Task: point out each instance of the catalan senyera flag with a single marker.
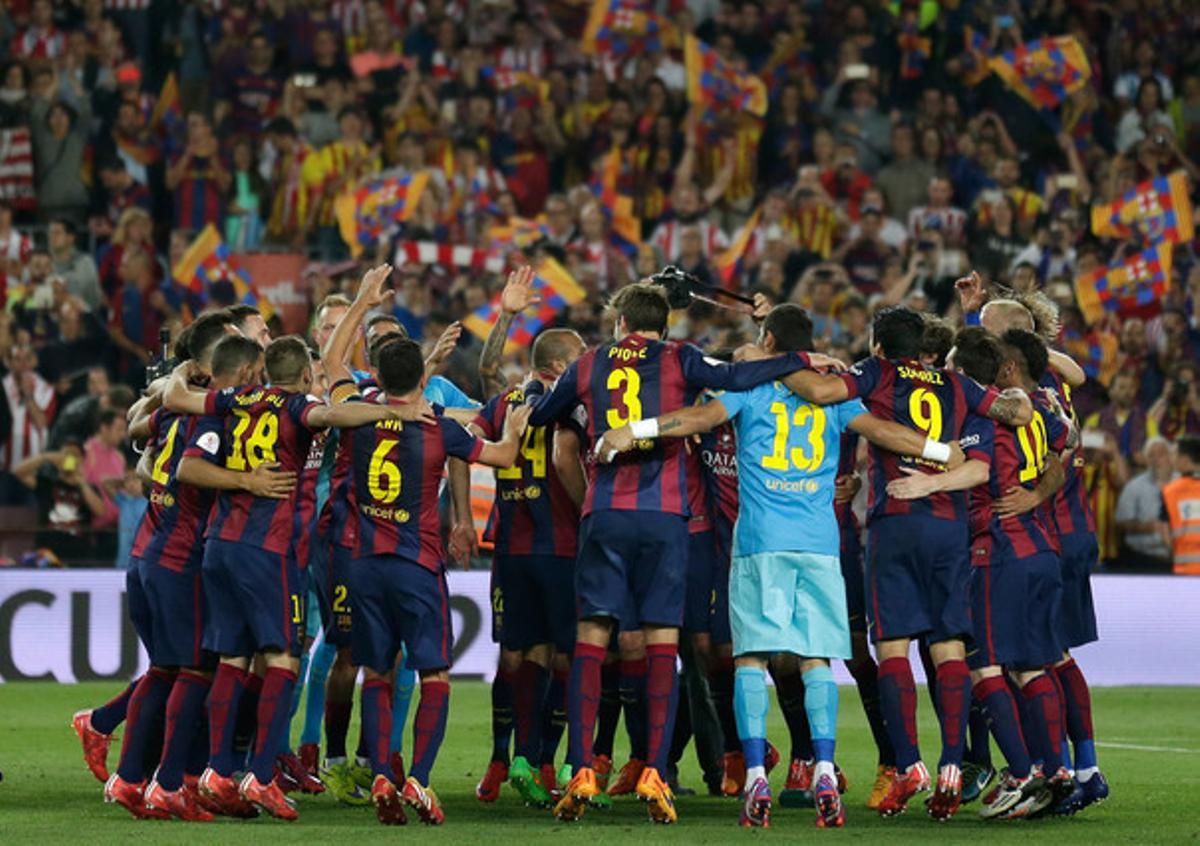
(788, 62)
(374, 208)
(208, 263)
(626, 227)
(1044, 72)
(558, 290)
(1159, 209)
(167, 109)
(974, 59)
(715, 84)
(729, 263)
(1133, 287)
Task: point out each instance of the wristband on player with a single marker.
(644, 429)
(936, 451)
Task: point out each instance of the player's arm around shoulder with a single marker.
(503, 453)
(677, 424)
(905, 441)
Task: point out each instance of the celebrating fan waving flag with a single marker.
(622, 28)
(373, 210)
(1134, 287)
(729, 263)
(1044, 72)
(208, 264)
(1159, 209)
(716, 84)
(557, 288)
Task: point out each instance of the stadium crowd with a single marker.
(878, 176)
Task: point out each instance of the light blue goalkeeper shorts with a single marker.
(789, 602)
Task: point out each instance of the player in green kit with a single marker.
(786, 591)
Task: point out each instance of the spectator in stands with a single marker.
(1176, 412)
(197, 178)
(41, 39)
(76, 268)
(131, 506)
(905, 179)
(995, 247)
(81, 341)
(31, 403)
(1145, 540)
(104, 468)
(325, 174)
(138, 309)
(66, 503)
(1123, 419)
(60, 141)
(938, 214)
(249, 96)
(247, 199)
(79, 419)
(121, 192)
(14, 95)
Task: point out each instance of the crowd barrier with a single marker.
(70, 626)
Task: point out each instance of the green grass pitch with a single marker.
(1149, 748)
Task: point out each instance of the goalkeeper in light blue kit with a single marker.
(786, 590)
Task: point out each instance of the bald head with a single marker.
(555, 349)
(998, 316)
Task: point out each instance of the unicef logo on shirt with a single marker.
(401, 515)
(533, 492)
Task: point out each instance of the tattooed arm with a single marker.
(518, 295)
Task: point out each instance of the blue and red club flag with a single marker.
(624, 28)
(974, 59)
(729, 263)
(517, 233)
(716, 85)
(791, 60)
(1044, 72)
(914, 50)
(376, 208)
(1132, 287)
(558, 289)
(1158, 209)
(207, 266)
(166, 120)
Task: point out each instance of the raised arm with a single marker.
(518, 295)
(336, 353)
(1012, 408)
(700, 371)
(1066, 367)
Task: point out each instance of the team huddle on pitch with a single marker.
(644, 491)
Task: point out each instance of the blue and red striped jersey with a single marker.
(178, 512)
(262, 425)
(306, 517)
(198, 199)
(718, 457)
(396, 469)
(847, 464)
(634, 379)
(935, 402)
(1071, 508)
(1015, 457)
(532, 514)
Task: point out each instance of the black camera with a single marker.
(679, 285)
(165, 363)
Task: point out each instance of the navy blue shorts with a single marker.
(852, 573)
(918, 578)
(632, 567)
(255, 600)
(1014, 604)
(318, 578)
(1077, 616)
(139, 604)
(337, 589)
(399, 603)
(539, 601)
(701, 582)
(178, 609)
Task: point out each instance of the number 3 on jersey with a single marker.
(629, 382)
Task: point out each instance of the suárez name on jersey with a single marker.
(933, 377)
(626, 355)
